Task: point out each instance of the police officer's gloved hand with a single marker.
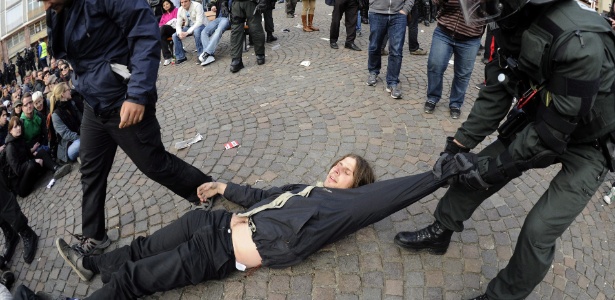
(450, 149)
(469, 174)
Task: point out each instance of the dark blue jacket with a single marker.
(93, 34)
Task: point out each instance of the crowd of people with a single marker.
(572, 123)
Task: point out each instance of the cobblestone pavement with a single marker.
(292, 122)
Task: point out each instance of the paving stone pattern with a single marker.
(292, 122)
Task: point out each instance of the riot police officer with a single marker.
(558, 58)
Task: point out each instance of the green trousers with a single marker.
(245, 12)
(583, 170)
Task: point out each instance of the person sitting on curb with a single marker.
(189, 21)
(210, 36)
(282, 227)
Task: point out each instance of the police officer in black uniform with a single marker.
(558, 58)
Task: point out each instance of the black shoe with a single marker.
(260, 59)
(434, 238)
(426, 23)
(236, 65)
(429, 107)
(11, 239)
(7, 279)
(455, 112)
(30, 241)
(271, 38)
(179, 61)
(334, 45)
(352, 46)
(290, 15)
(481, 297)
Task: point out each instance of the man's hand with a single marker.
(131, 114)
(182, 35)
(39, 161)
(33, 150)
(451, 148)
(210, 189)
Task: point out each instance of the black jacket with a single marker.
(17, 154)
(286, 236)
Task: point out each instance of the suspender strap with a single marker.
(277, 202)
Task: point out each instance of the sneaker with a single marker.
(455, 112)
(208, 60)
(203, 56)
(61, 171)
(372, 78)
(88, 246)
(181, 60)
(429, 107)
(74, 258)
(395, 91)
(166, 62)
(418, 51)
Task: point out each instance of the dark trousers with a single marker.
(26, 182)
(195, 248)
(290, 6)
(166, 32)
(268, 16)
(413, 29)
(244, 12)
(350, 9)
(10, 212)
(583, 170)
(100, 137)
(22, 292)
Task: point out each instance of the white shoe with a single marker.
(203, 56)
(167, 62)
(209, 60)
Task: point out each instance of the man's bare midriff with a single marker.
(245, 249)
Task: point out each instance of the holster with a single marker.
(607, 143)
(516, 120)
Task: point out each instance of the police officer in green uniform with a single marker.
(557, 58)
(249, 12)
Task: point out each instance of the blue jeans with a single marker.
(442, 48)
(359, 22)
(210, 36)
(179, 47)
(379, 25)
(73, 150)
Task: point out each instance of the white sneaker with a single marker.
(167, 62)
(203, 56)
(209, 60)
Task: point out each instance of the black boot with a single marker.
(271, 37)
(30, 240)
(236, 65)
(12, 239)
(7, 279)
(434, 238)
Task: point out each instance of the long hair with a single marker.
(170, 9)
(363, 173)
(56, 95)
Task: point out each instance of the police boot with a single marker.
(11, 240)
(434, 238)
(30, 241)
(236, 65)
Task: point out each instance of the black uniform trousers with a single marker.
(413, 30)
(10, 212)
(166, 31)
(583, 170)
(246, 12)
(290, 6)
(100, 136)
(194, 248)
(350, 9)
(268, 16)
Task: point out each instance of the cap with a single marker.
(18, 103)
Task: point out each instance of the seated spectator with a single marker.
(65, 72)
(39, 84)
(27, 164)
(66, 122)
(40, 105)
(27, 84)
(167, 25)
(210, 36)
(6, 95)
(51, 81)
(34, 129)
(189, 21)
(17, 108)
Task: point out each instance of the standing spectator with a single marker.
(66, 123)
(189, 21)
(42, 54)
(210, 36)
(27, 164)
(290, 8)
(452, 35)
(413, 32)
(349, 8)
(387, 16)
(34, 129)
(21, 67)
(246, 12)
(124, 112)
(268, 16)
(167, 25)
(307, 16)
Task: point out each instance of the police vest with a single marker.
(546, 40)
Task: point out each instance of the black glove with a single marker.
(450, 149)
(468, 171)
